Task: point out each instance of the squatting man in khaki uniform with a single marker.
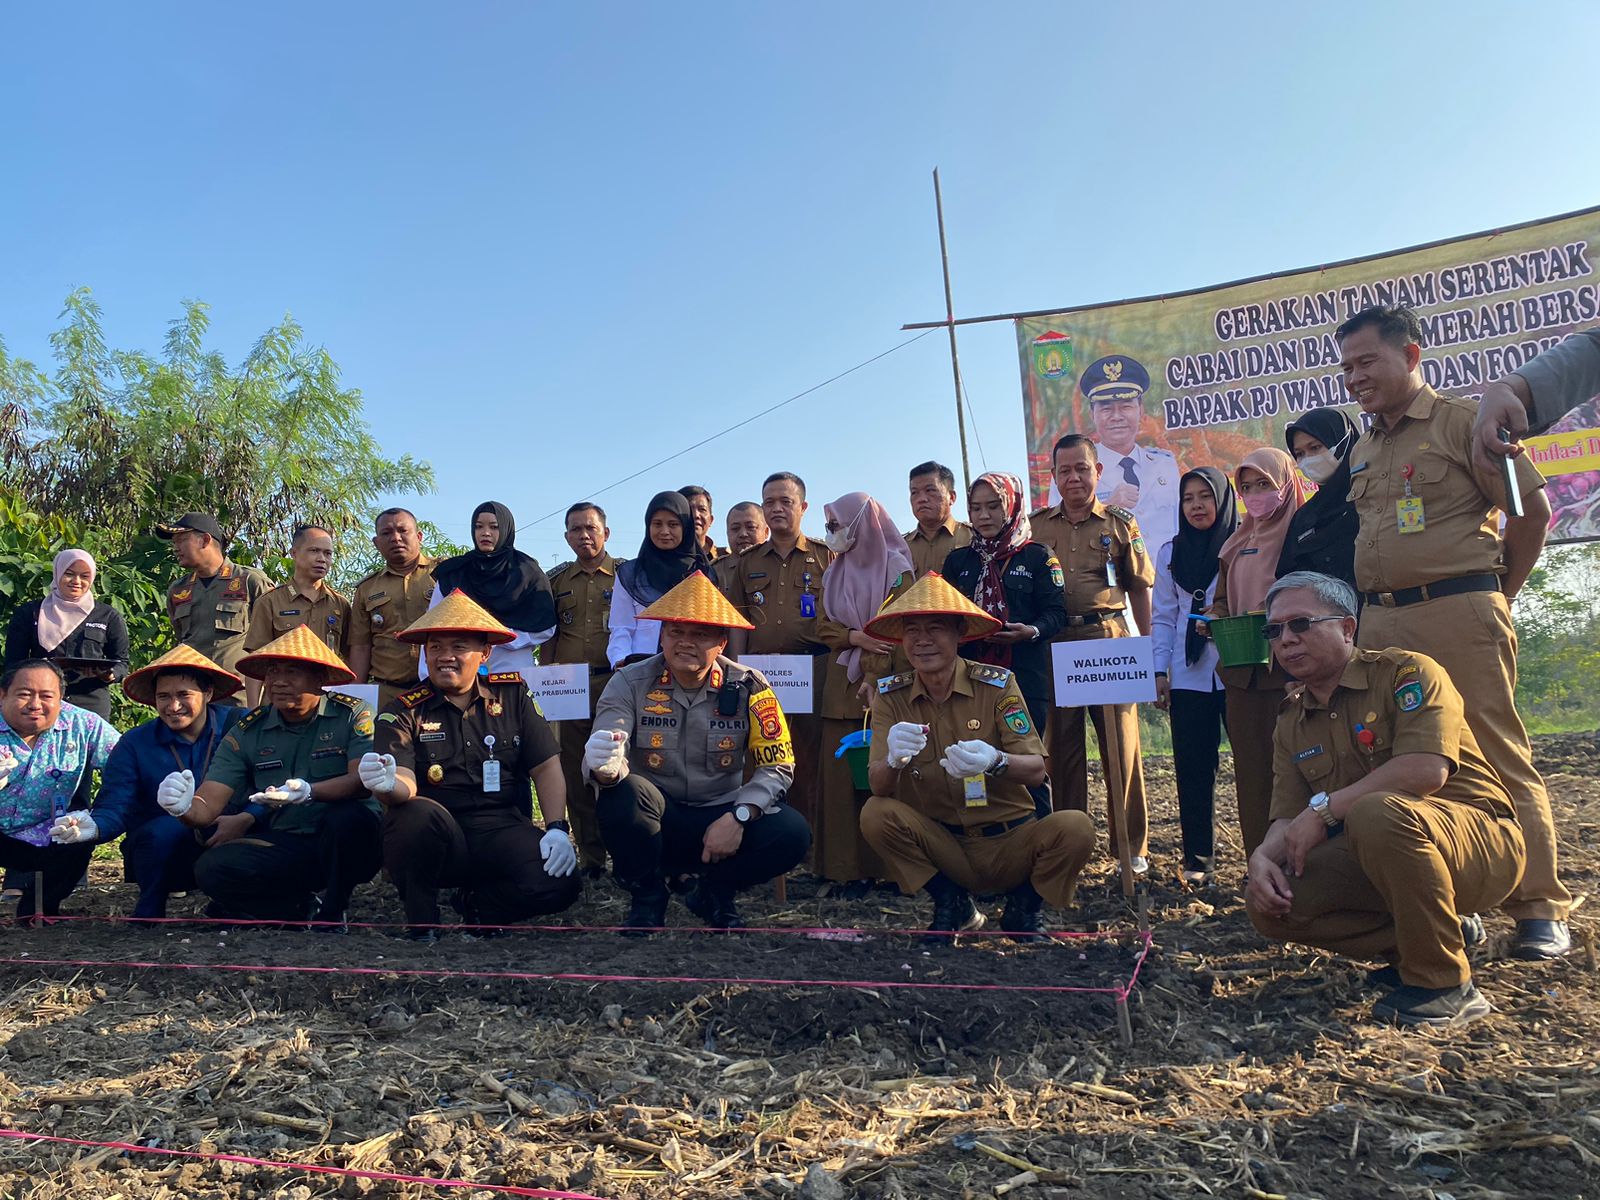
(1387, 819)
(954, 753)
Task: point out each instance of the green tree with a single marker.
(1557, 617)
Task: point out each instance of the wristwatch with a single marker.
(743, 813)
(1001, 762)
(1319, 805)
(561, 825)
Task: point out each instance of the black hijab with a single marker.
(1329, 505)
(655, 572)
(512, 586)
(1194, 551)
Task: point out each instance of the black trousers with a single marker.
(1038, 706)
(62, 866)
(1198, 721)
(493, 853)
(649, 836)
(270, 876)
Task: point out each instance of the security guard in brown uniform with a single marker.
(305, 600)
(583, 601)
(210, 606)
(1105, 565)
(386, 602)
(933, 497)
(1439, 576)
(451, 765)
(1387, 820)
(953, 756)
(778, 588)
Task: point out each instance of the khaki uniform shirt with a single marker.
(984, 706)
(263, 750)
(1460, 533)
(929, 553)
(775, 594)
(683, 744)
(1388, 702)
(446, 747)
(583, 604)
(324, 611)
(1107, 534)
(725, 573)
(385, 604)
(213, 615)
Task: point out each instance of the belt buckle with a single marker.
(1386, 599)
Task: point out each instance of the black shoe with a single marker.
(1432, 1006)
(1472, 931)
(594, 872)
(714, 905)
(422, 935)
(471, 919)
(320, 919)
(1385, 978)
(856, 889)
(953, 912)
(648, 912)
(1021, 917)
(1537, 939)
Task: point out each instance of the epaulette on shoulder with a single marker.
(416, 695)
(1116, 510)
(559, 567)
(747, 549)
(349, 702)
(1043, 510)
(250, 718)
(365, 579)
(987, 673)
(508, 677)
(893, 683)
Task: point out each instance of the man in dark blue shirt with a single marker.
(159, 852)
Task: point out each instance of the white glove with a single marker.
(560, 856)
(605, 752)
(376, 772)
(290, 791)
(74, 827)
(906, 740)
(8, 764)
(968, 758)
(175, 793)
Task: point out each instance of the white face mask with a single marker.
(1319, 468)
(839, 540)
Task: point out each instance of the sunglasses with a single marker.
(1273, 630)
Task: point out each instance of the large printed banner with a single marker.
(1203, 378)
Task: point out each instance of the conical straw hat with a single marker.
(140, 685)
(931, 596)
(298, 645)
(696, 601)
(456, 613)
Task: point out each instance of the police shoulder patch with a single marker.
(416, 695)
(1056, 577)
(992, 675)
(507, 677)
(893, 683)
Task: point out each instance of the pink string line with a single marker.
(314, 1168)
(1117, 990)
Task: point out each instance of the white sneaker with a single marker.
(1140, 864)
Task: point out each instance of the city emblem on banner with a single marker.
(1052, 354)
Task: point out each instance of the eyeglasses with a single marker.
(1273, 630)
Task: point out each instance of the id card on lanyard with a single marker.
(491, 767)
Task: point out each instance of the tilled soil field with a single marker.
(1254, 1071)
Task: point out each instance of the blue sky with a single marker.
(554, 243)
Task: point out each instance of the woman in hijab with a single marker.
(512, 586)
(670, 553)
(1186, 662)
(1322, 535)
(70, 624)
(1271, 490)
(870, 566)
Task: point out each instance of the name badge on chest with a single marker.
(491, 768)
(976, 790)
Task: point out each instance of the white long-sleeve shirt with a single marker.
(1170, 623)
(629, 634)
(515, 655)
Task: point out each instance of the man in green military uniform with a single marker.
(582, 590)
(292, 765)
(210, 606)
(386, 602)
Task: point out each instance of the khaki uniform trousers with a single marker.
(1472, 638)
(1050, 852)
(580, 795)
(838, 850)
(1254, 697)
(1391, 887)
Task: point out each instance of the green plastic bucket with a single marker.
(1239, 641)
(859, 757)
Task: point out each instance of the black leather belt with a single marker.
(1090, 619)
(1433, 591)
(994, 830)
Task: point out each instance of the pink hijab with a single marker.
(59, 616)
(859, 579)
(1250, 556)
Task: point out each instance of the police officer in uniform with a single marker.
(1387, 819)
(778, 587)
(386, 602)
(582, 590)
(292, 764)
(1439, 576)
(210, 606)
(954, 753)
(672, 738)
(1141, 479)
(1106, 566)
(938, 533)
(306, 599)
(451, 767)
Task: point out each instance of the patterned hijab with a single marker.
(995, 553)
